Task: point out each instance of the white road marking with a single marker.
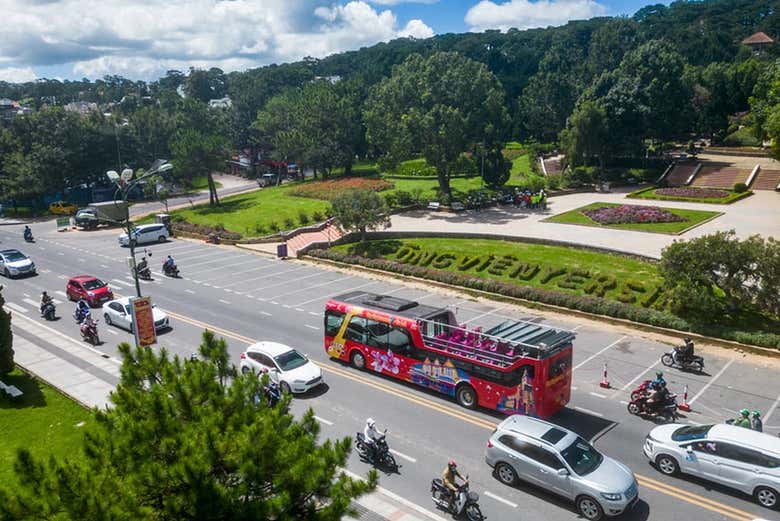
(597, 395)
(31, 302)
(712, 380)
(490, 312)
(323, 297)
(196, 281)
(216, 287)
(404, 456)
(500, 499)
(228, 290)
(189, 291)
(298, 309)
(60, 253)
(61, 293)
(623, 402)
(574, 387)
(112, 331)
(121, 283)
(640, 375)
(16, 307)
(266, 313)
(286, 306)
(313, 327)
(63, 277)
(594, 355)
(771, 410)
(26, 294)
(588, 411)
(285, 272)
(313, 313)
(323, 420)
(318, 274)
(224, 301)
(275, 303)
(103, 266)
(207, 284)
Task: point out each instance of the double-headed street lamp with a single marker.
(124, 183)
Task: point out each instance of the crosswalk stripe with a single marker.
(16, 307)
(30, 302)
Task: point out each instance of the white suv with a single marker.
(558, 460)
(144, 234)
(736, 457)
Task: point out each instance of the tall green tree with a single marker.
(360, 211)
(6, 339)
(439, 105)
(179, 444)
(587, 135)
(197, 154)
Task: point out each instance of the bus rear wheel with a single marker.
(358, 360)
(466, 396)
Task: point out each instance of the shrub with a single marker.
(553, 181)
(740, 188)
(636, 286)
(404, 198)
(274, 226)
(289, 224)
(391, 199)
(260, 229)
(303, 218)
(413, 168)
(317, 216)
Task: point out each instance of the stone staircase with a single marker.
(766, 180)
(719, 175)
(328, 233)
(680, 173)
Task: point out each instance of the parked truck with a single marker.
(93, 215)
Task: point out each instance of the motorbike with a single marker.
(667, 411)
(381, 454)
(143, 273)
(641, 390)
(48, 311)
(89, 332)
(80, 314)
(465, 502)
(674, 358)
(171, 271)
(28, 237)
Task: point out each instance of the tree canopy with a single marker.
(185, 442)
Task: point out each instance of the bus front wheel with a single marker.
(358, 360)
(466, 396)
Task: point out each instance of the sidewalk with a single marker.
(88, 376)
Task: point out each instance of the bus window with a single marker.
(376, 334)
(398, 341)
(559, 366)
(356, 330)
(333, 321)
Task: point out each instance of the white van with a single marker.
(736, 457)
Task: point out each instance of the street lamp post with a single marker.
(124, 183)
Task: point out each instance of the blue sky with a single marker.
(141, 39)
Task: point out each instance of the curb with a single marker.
(720, 342)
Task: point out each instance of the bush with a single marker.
(391, 199)
(582, 175)
(274, 226)
(413, 168)
(289, 224)
(553, 181)
(404, 198)
(303, 218)
(317, 216)
(260, 229)
(740, 188)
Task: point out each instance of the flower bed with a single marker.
(329, 190)
(631, 214)
(694, 193)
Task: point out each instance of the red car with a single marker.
(89, 288)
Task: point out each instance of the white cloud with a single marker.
(525, 14)
(396, 2)
(143, 39)
(17, 74)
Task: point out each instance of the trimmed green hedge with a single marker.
(589, 304)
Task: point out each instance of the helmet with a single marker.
(756, 414)
(452, 465)
(370, 422)
(744, 412)
(659, 375)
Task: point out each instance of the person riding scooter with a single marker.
(684, 353)
(82, 311)
(370, 435)
(142, 268)
(658, 395)
(28, 236)
(448, 478)
(169, 264)
(45, 301)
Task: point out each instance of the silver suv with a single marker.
(558, 460)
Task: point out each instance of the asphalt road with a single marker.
(246, 297)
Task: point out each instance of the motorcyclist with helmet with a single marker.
(658, 394)
(45, 300)
(28, 236)
(448, 479)
(370, 435)
(82, 310)
(684, 353)
(743, 420)
(169, 266)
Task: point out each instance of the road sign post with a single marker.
(143, 321)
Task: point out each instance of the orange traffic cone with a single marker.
(604, 383)
(685, 406)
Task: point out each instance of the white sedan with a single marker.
(286, 366)
(119, 313)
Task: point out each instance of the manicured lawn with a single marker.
(521, 166)
(691, 218)
(254, 213)
(43, 420)
(202, 183)
(429, 187)
(650, 193)
(571, 270)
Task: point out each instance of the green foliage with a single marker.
(317, 216)
(740, 188)
(360, 211)
(496, 168)
(187, 440)
(413, 168)
(743, 137)
(199, 154)
(289, 224)
(6, 339)
(303, 218)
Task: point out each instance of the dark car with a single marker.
(89, 288)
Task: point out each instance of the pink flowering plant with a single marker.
(631, 214)
(695, 193)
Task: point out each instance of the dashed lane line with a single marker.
(404, 456)
(266, 313)
(712, 380)
(191, 292)
(594, 355)
(323, 420)
(500, 499)
(688, 497)
(224, 301)
(771, 410)
(315, 328)
(16, 307)
(597, 395)
(345, 291)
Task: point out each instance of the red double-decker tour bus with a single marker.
(515, 367)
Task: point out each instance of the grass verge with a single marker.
(691, 219)
(650, 193)
(202, 183)
(43, 420)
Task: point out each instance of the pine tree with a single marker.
(6, 339)
(179, 444)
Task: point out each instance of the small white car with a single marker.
(287, 367)
(735, 457)
(118, 313)
(145, 234)
(14, 263)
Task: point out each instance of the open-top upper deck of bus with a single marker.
(500, 346)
